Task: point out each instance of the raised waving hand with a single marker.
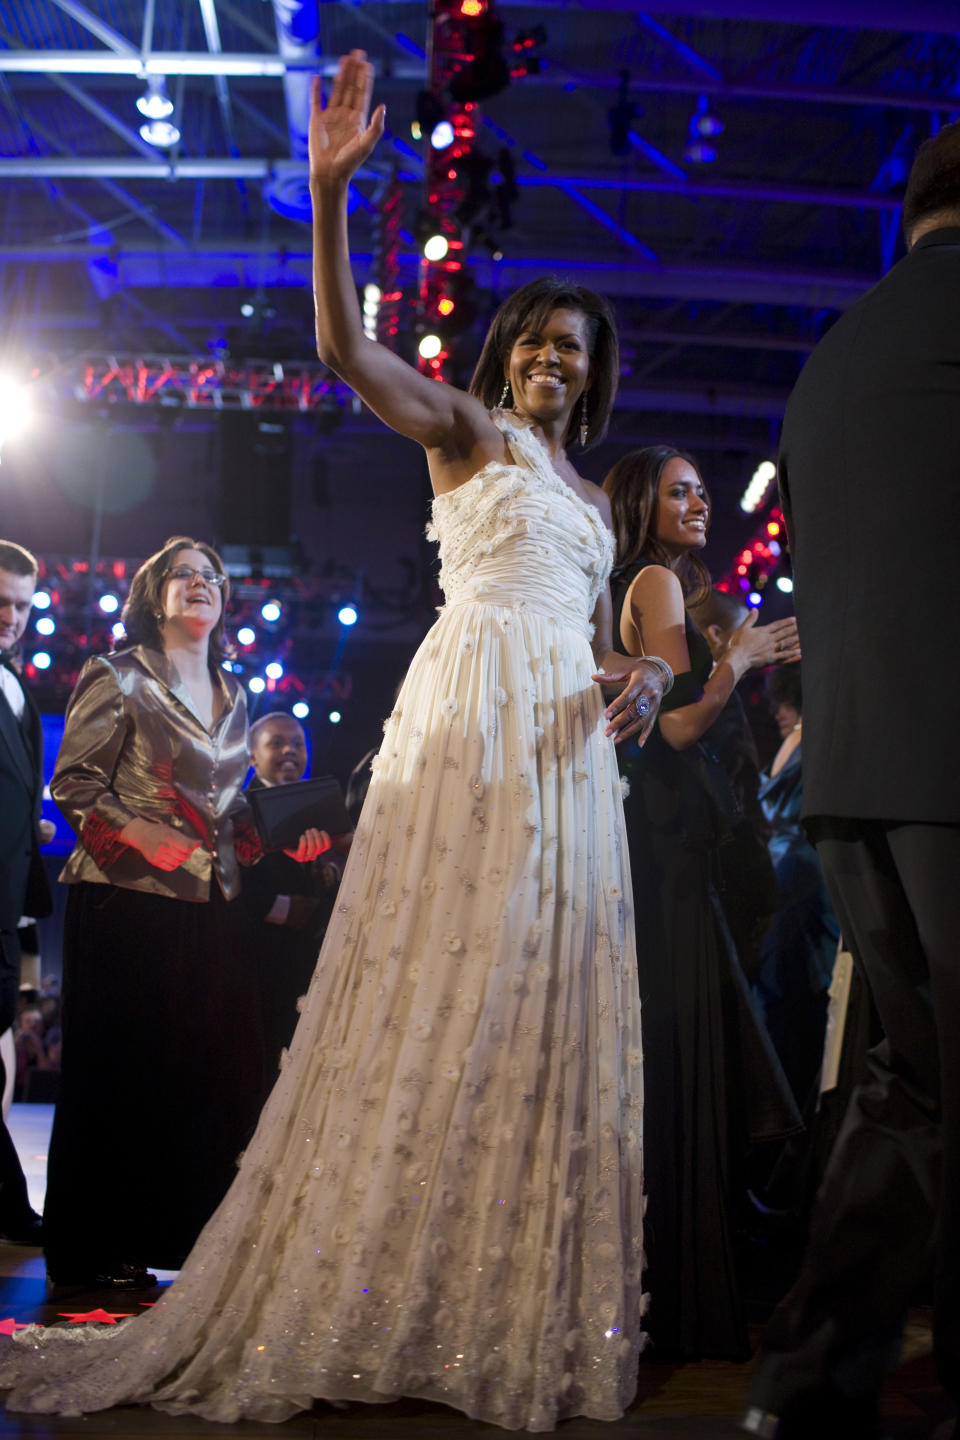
(341, 135)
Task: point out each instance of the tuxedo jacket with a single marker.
(870, 481)
(23, 883)
(134, 746)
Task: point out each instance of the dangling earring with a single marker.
(505, 395)
(584, 422)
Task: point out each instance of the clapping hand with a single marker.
(773, 644)
(341, 136)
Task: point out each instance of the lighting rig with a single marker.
(758, 561)
(209, 384)
(467, 194)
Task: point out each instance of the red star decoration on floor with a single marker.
(101, 1317)
(7, 1327)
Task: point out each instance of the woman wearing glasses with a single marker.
(162, 1058)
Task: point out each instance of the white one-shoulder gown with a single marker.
(443, 1197)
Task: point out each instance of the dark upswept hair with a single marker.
(633, 487)
(718, 607)
(783, 687)
(529, 307)
(17, 560)
(145, 599)
(933, 186)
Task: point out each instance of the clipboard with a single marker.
(283, 812)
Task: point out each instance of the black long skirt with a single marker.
(162, 1076)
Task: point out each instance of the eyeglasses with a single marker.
(187, 572)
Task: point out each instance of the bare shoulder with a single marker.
(596, 496)
(655, 586)
(471, 442)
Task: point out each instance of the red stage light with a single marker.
(472, 8)
(741, 569)
(446, 306)
(773, 528)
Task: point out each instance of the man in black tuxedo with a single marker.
(870, 477)
(23, 882)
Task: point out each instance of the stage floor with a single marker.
(675, 1402)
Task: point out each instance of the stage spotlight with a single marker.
(756, 491)
(246, 636)
(698, 152)
(470, 9)
(41, 600)
(118, 630)
(271, 610)
(436, 248)
(109, 603)
(334, 717)
(155, 103)
(257, 685)
(45, 625)
(301, 710)
(42, 660)
(273, 671)
(348, 615)
(702, 122)
(430, 346)
(785, 583)
(161, 133)
(754, 599)
(442, 136)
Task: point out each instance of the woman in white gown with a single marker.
(443, 1198)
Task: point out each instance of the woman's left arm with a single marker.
(642, 680)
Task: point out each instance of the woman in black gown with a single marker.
(700, 1036)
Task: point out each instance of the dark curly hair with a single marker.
(529, 307)
(933, 186)
(633, 487)
(145, 599)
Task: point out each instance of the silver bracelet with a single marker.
(666, 674)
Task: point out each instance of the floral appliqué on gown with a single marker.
(443, 1197)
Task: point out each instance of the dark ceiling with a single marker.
(724, 274)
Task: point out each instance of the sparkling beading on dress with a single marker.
(443, 1197)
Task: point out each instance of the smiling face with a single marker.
(683, 510)
(191, 601)
(549, 366)
(16, 598)
(279, 751)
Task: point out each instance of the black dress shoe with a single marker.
(24, 1230)
(108, 1277)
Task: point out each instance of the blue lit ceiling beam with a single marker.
(244, 268)
(686, 53)
(602, 217)
(105, 116)
(271, 65)
(103, 32)
(211, 30)
(249, 168)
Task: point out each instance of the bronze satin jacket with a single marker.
(134, 746)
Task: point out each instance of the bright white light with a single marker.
(430, 346)
(442, 135)
(371, 292)
(436, 247)
(258, 685)
(160, 133)
(271, 611)
(274, 670)
(756, 491)
(109, 603)
(155, 103)
(226, 665)
(785, 584)
(14, 408)
(246, 636)
(42, 660)
(117, 630)
(41, 600)
(246, 309)
(754, 599)
(301, 710)
(334, 717)
(347, 615)
(46, 625)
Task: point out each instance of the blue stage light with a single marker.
(754, 599)
(118, 630)
(442, 135)
(109, 603)
(42, 660)
(271, 611)
(334, 717)
(246, 636)
(46, 625)
(301, 710)
(347, 615)
(41, 600)
(258, 685)
(274, 670)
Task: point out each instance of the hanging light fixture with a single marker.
(155, 103)
(161, 133)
